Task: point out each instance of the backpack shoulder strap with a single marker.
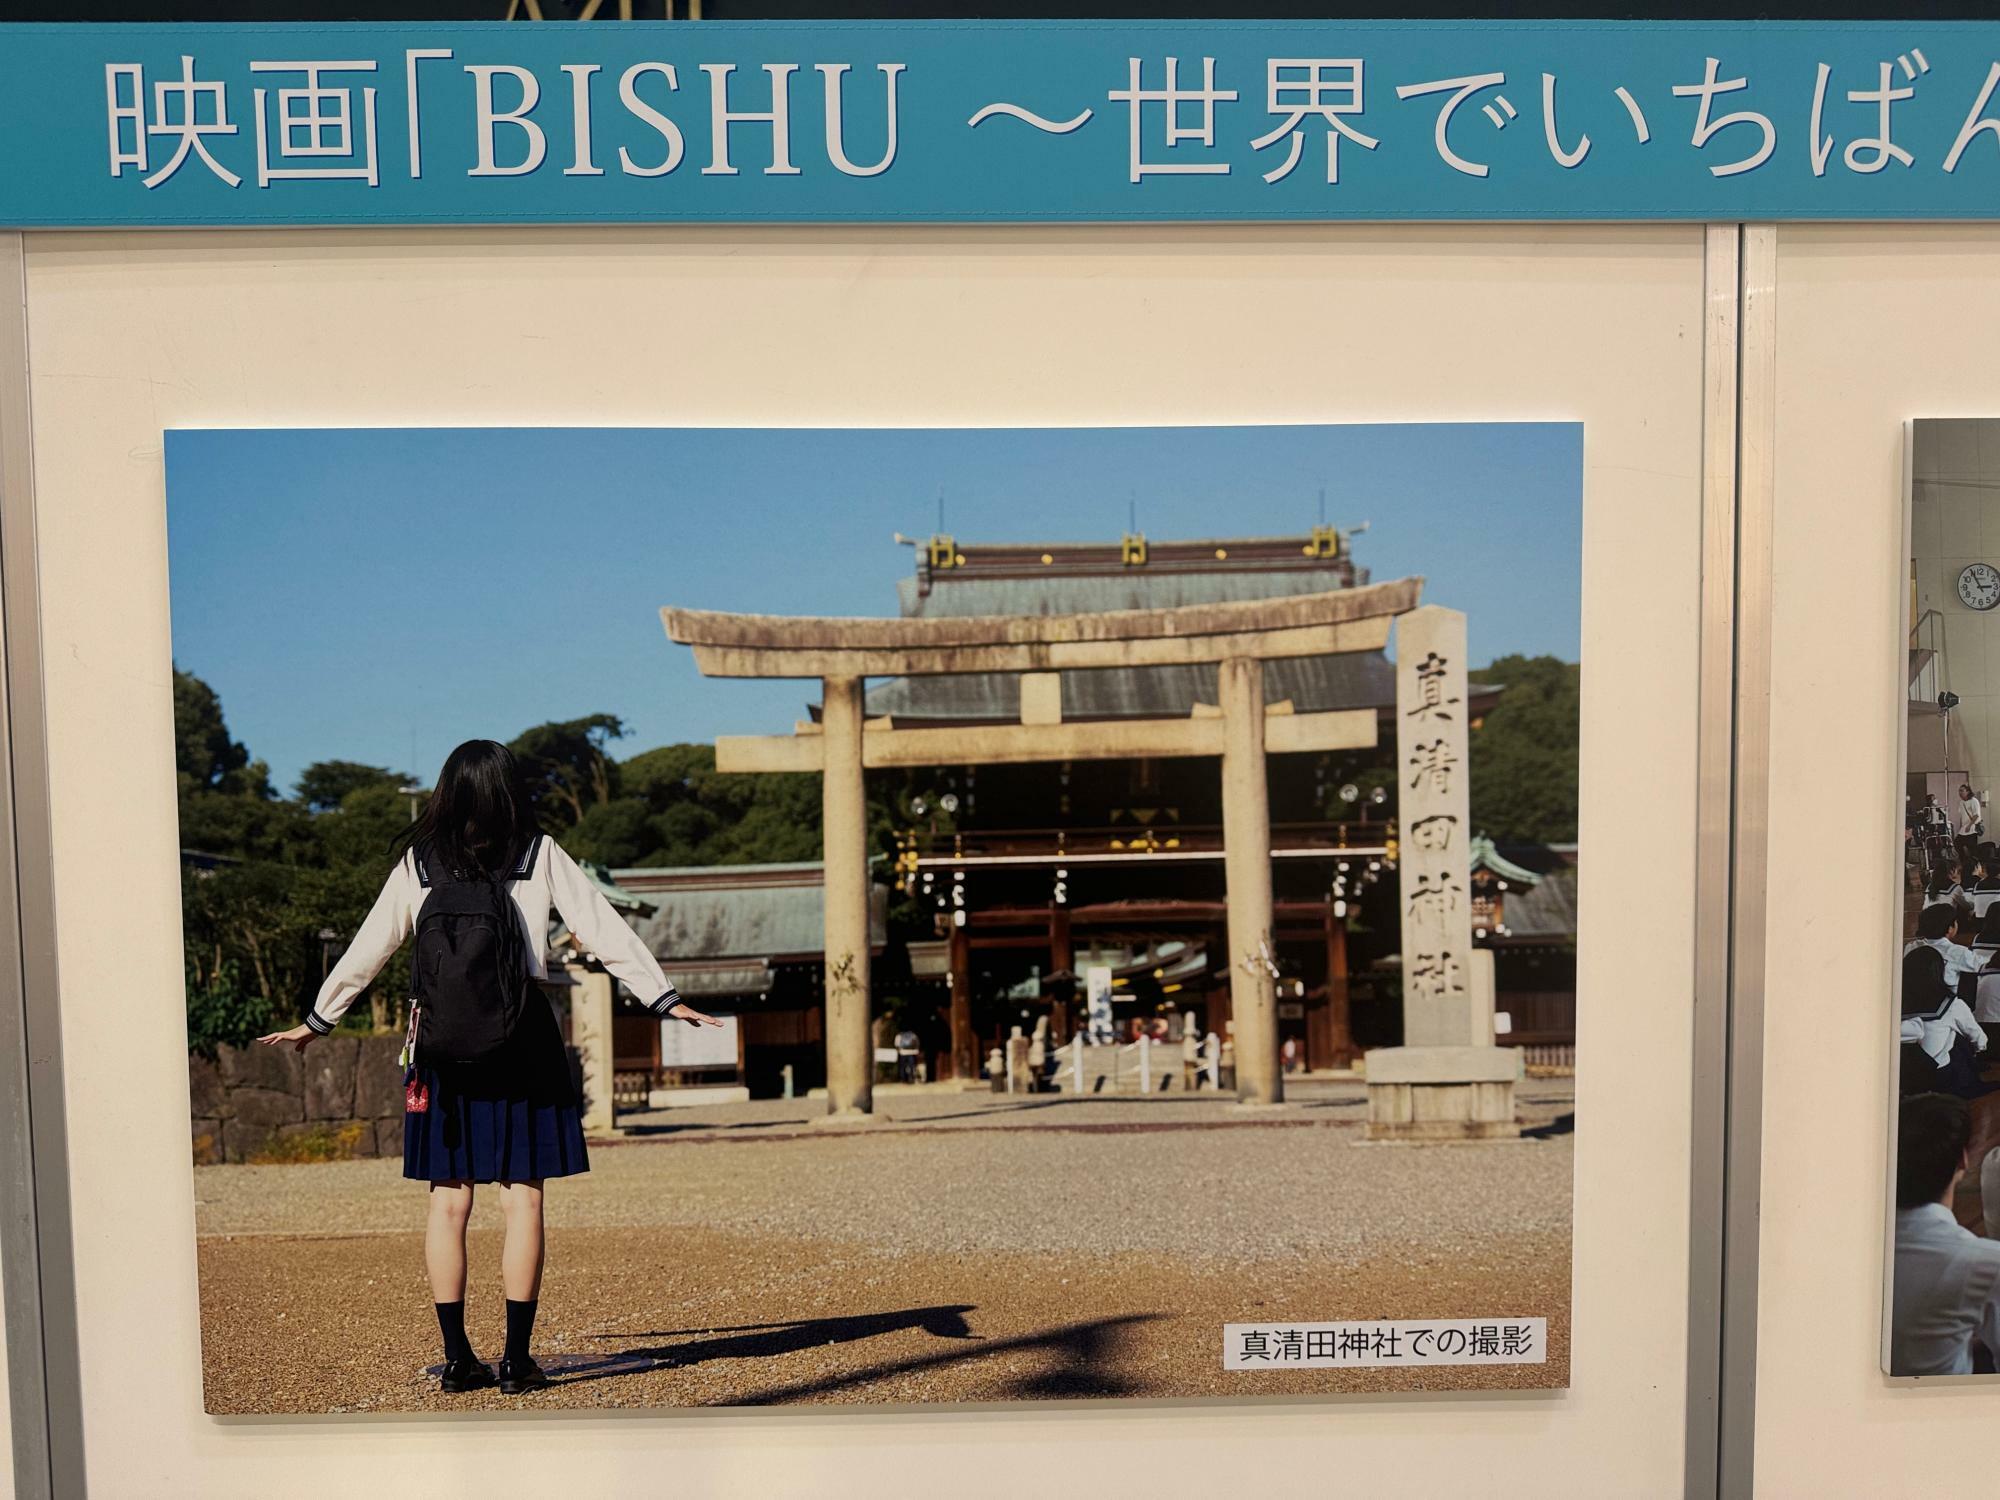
(423, 869)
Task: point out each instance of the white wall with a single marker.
(132, 334)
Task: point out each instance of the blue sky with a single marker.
(379, 595)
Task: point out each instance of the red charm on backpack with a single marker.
(416, 1093)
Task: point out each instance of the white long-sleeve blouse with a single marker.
(545, 879)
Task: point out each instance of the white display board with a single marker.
(685, 1046)
(1875, 327)
(132, 334)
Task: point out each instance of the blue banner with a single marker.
(632, 122)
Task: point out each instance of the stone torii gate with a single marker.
(1241, 729)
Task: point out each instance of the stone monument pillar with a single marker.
(1448, 1081)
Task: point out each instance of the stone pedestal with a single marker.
(590, 1008)
(1442, 1093)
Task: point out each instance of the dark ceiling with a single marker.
(766, 10)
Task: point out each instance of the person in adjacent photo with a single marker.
(1942, 926)
(1971, 824)
(1945, 1312)
(491, 1100)
(1947, 886)
(1940, 1027)
(1986, 994)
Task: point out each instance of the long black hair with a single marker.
(480, 815)
(1925, 992)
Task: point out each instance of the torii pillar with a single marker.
(1448, 1081)
(1246, 842)
(850, 1053)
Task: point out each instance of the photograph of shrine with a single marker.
(1104, 898)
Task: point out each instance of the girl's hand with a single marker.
(298, 1038)
(687, 1013)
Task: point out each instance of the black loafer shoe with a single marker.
(519, 1377)
(465, 1375)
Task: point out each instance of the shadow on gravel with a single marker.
(639, 1132)
(1560, 1125)
(985, 1109)
(764, 1340)
(1079, 1365)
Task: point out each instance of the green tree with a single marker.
(222, 1012)
(205, 757)
(203, 750)
(569, 767)
(238, 926)
(360, 831)
(274, 875)
(696, 815)
(245, 826)
(667, 772)
(227, 805)
(1524, 752)
(324, 784)
(618, 832)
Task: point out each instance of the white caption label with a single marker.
(1419, 1341)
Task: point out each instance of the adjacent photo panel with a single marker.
(1945, 1234)
(728, 917)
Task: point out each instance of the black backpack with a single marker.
(469, 977)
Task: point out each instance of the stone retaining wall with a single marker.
(341, 1097)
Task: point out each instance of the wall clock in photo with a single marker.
(1979, 586)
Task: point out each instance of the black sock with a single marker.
(451, 1323)
(520, 1329)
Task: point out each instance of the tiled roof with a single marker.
(1358, 679)
(1545, 911)
(739, 911)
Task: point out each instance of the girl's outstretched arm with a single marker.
(382, 933)
(603, 932)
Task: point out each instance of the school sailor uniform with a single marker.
(513, 1116)
(1941, 1048)
(1959, 960)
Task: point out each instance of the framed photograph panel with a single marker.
(134, 336)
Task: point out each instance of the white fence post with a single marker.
(1077, 1042)
(1145, 1065)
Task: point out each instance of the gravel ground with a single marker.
(953, 1106)
(968, 1259)
(631, 1318)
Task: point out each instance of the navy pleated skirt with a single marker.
(508, 1119)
